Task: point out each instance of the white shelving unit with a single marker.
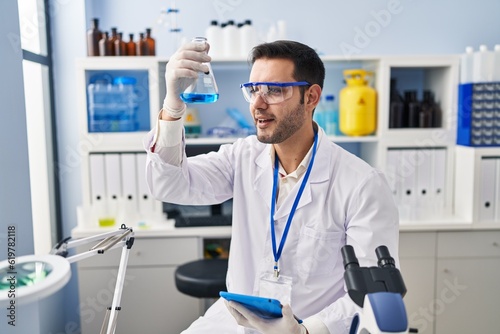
(436, 73)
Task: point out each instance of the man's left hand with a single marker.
(287, 324)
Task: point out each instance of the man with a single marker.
(297, 197)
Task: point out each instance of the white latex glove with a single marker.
(182, 69)
(285, 325)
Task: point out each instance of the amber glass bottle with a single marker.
(150, 43)
(131, 46)
(141, 45)
(105, 48)
(93, 37)
(112, 39)
(120, 46)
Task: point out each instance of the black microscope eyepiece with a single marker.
(384, 257)
(349, 257)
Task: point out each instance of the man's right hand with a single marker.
(182, 70)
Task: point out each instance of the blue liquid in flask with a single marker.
(199, 97)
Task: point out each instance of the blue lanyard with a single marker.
(277, 253)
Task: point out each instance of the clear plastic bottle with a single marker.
(483, 65)
(231, 40)
(466, 65)
(248, 38)
(204, 89)
(331, 116)
(496, 63)
(214, 36)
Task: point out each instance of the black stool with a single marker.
(202, 278)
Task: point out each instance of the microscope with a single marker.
(379, 291)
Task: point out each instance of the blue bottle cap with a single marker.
(124, 81)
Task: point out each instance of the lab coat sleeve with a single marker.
(371, 221)
(202, 180)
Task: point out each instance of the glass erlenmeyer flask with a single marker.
(204, 89)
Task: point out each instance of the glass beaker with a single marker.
(204, 89)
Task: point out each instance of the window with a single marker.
(34, 27)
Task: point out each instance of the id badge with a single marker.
(276, 287)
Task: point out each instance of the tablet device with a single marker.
(267, 308)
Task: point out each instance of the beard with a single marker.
(284, 127)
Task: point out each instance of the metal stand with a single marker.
(123, 237)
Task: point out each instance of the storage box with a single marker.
(479, 114)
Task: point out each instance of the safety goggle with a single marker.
(270, 92)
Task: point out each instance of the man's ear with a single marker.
(312, 97)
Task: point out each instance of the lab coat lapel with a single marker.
(264, 176)
(320, 173)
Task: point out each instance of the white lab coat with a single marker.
(345, 201)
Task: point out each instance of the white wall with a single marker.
(414, 27)
(370, 26)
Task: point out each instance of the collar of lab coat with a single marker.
(320, 173)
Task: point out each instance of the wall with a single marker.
(333, 27)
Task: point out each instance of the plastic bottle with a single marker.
(214, 37)
(204, 89)
(496, 63)
(105, 47)
(93, 37)
(231, 43)
(150, 43)
(483, 65)
(466, 65)
(120, 46)
(131, 46)
(331, 116)
(248, 38)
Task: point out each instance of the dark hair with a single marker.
(308, 66)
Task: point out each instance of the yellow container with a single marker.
(357, 104)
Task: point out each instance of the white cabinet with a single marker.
(150, 301)
(417, 255)
(468, 272)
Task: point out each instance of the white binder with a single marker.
(487, 189)
(438, 190)
(497, 192)
(113, 182)
(146, 202)
(393, 173)
(97, 179)
(97, 188)
(129, 185)
(424, 177)
(409, 165)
